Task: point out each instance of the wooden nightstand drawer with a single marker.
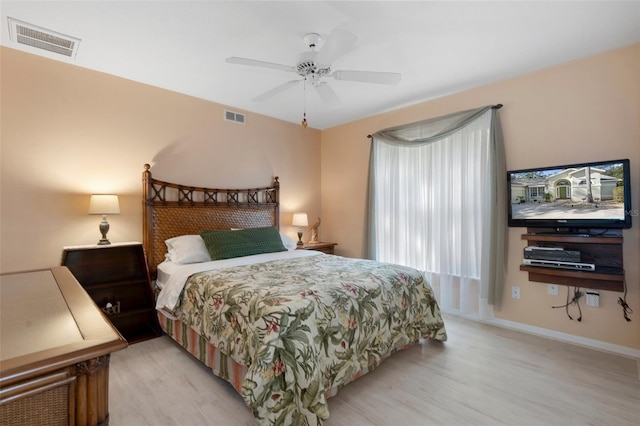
(113, 264)
(327, 248)
(117, 279)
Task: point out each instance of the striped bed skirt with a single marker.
(222, 365)
(198, 346)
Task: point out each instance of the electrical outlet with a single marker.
(593, 299)
(515, 292)
(552, 289)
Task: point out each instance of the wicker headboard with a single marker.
(170, 210)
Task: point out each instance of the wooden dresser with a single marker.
(54, 351)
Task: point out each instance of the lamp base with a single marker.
(104, 228)
(300, 243)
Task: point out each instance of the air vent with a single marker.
(236, 117)
(42, 38)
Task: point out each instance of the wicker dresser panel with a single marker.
(49, 407)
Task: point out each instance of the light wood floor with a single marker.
(483, 375)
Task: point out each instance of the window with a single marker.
(436, 205)
(536, 192)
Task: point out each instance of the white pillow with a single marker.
(287, 242)
(187, 249)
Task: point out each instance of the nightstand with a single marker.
(323, 247)
(117, 279)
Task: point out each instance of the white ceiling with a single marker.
(439, 47)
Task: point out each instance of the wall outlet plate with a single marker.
(515, 292)
(552, 289)
(593, 299)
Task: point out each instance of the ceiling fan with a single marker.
(315, 65)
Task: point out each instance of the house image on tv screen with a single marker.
(564, 184)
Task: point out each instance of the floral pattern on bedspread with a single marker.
(307, 325)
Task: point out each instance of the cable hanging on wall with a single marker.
(622, 301)
(577, 294)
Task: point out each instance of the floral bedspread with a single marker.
(309, 325)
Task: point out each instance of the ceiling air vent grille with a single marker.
(41, 38)
(236, 117)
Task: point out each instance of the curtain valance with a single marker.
(432, 129)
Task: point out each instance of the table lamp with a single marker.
(300, 220)
(104, 204)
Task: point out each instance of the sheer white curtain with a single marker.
(435, 206)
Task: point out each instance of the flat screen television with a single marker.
(571, 197)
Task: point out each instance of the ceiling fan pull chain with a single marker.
(304, 104)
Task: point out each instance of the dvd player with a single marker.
(551, 253)
(576, 266)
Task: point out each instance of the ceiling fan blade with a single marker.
(278, 89)
(256, 63)
(368, 76)
(328, 95)
(337, 44)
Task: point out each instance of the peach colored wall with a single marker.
(584, 110)
(67, 132)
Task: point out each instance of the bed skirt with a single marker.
(198, 346)
(222, 365)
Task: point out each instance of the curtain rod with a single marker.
(496, 106)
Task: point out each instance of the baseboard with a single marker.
(565, 337)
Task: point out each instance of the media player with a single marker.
(551, 253)
(577, 266)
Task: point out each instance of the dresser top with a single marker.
(34, 315)
(46, 315)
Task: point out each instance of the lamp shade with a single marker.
(104, 204)
(300, 219)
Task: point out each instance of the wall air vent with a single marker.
(236, 117)
(42, 38)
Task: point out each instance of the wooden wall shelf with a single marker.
(605, 252)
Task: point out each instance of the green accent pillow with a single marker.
(243, 242)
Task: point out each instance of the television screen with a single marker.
(572, 196)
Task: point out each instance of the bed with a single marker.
(287, 328)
